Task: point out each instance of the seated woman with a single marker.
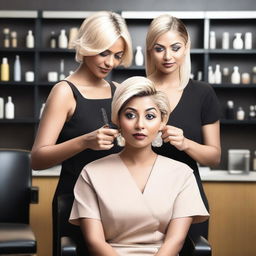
(137, 202)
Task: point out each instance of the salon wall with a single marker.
(131, 5)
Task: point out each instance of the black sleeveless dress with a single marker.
(87, 117)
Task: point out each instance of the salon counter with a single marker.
(206, 175)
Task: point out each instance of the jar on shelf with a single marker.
(252, 112)
(139, 58)
(63, 40)
(14, 42)
(217, 75)
(211, 77)
(245, 78)
(225, 72)
(235, 76)
(53, 40)
(6, 32)
(212, 41)
(248, 40)
(30, 40)
(225, 40)
(238, 42)
(240, 114)
(230, 112)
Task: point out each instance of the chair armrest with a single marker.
(34, 195)
(68, 247)
(200, 246)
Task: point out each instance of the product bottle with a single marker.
(254, 162)
(245, 78)
(254, 75)
(230, 112)
(14, 42)
(235, 76)
(17, 69)
(63, 40)
(5, 71)
(1, 108)
(211, 77)
(139, 58)
(62, 75)
(238, 41)
(212, 41)
(217, 74)
(248, 40)
(252, 113)
(30, 40)
(53, 40)
(226, 75)
(225, 40)
(9, 109)
(199, 75)
(6, 32)
(240, 114)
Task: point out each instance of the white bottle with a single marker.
(139, 58)
(17, 69)
(248, 40)
(211, 77)
(212, 40)
(240, 114)
(1, 108)
(238, 41)
(217, 75)
(9, 109)
(63, 40)
(235, 76)
(225, 40)
(30, 40)
(62, 75)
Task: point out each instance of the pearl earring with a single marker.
(120, 140)
(158, 141)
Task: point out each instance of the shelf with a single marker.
(12, 83)
(234, 86)
(18, 121)
(18, 14)
(56, 50)
(231, 51)
(238, 122)
(16, 50)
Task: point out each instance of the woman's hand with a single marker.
(174, 136)
(101, 139)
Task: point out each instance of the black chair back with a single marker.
(15, 184)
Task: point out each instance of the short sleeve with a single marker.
(189, 202)
(211, 111)
(85, 204)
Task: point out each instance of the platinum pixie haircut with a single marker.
(138, 86)
(158, 27)
(99, 32)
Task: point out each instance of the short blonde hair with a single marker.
(138, 86)
(158, 27)
(99, 32)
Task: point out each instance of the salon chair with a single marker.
(69, 235)
(16, 194)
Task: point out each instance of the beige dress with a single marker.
(135, 223)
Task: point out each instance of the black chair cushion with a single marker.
(16, 238)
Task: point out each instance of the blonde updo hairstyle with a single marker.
(160, 25)
(99, 32)
(138, 86)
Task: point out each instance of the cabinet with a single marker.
(28, 97)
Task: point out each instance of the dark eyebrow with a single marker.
(133, 109)
(174, 44)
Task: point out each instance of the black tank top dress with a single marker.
(87, 117)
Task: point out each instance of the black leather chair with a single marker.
(69, 235)
(16, 193)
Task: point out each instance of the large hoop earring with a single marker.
(158, 141)
(120, 140)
